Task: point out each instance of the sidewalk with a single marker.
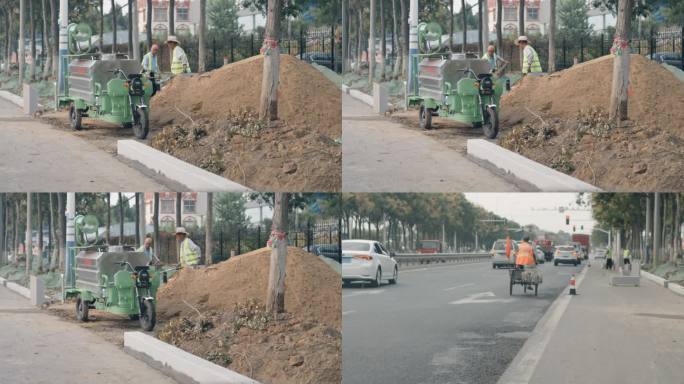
(616, 335)
(37, 348)
(380, 155)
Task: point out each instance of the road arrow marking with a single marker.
(481, 298)
(459, 286)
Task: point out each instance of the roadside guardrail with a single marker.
(440, 258)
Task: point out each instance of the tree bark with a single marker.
(621, 51)
(32, 32)
(47, 45)
(656, 229)
(345, 36)
(465, 26)
(17, 219)
(148, 28)
(275, 298)
(3, 228)
(53, 236)
(270, 76)
(359, 49)
(451, 26)
(108, 219)
(480, 28)
(371, 43)
(22, 55)
(499, 28)
(521, 18)
(396, 45)
(405, 37)
(137, 220)
(155, 225)
(172, 17)
(179, 205)
(202, 66)
(113, 26)
(29, 237)
(39, 207)
(136, 32)
(383, 40)
(101, 43)
(54, 25)
(208, 227)
(130, 28)
(61, 204)
(552, 36)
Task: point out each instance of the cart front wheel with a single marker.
(490, 127)
(75, 117)
(148, 315)
(141, 127)
(81, 309)
(425, 117)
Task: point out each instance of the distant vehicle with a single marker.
(539, 254)
(583, 240)
(429, 246)
(547, 248)
(369, 261)
(330, 251)
(600, 253)
(566, 254)
(498, 252)
(671, 58)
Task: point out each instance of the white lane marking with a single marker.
(481, 298)
(364, 293)
(521, 369)
(413, 270)
(348, 313)
(459, 286)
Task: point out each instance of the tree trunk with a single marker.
(29, 237)
(345, 36)
(451, 26)
(108, 219)
(405, 38)
(46, 41)
(17, 218)
(275, 298)
(3, 228)
(201, 35)
(61, 204)
(270, 75)
(101, 43)
(620, 50)
(371, 43)
(136, 32)
(480, 25)
(465, 26)
(648, 236)
(383, 41)
(499, 28)
(113, 26)
(137, 220)
(141, 213)
(53, 236)
(121, 219)
(148, 30)
(485, 23)
(208, 227)
(179, 204)
(521, 18)
(396, 45)
(656, 229)
(172, 17)
(130, 28)
(359, 49)
(39, 207)
(22, 55)
(552, 36)
(155, 225)
(9, 17)
(54, 26)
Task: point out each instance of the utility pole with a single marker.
(70, 238)
(29, 237)
(656, 229)
(649, 229)
(371, 44)
(63, 42)
(22, 54)
(413, 47)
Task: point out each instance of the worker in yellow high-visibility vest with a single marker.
(150, 65)
(530, 59)
(179, 60)
(189, 251)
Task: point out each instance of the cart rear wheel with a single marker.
(75, 117)
(81, 309)
(148, 316)
(425, 117)
(142, 127)
(490, 127)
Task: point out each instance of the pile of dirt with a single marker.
(301, 151)
(561, 120)
(217, 313)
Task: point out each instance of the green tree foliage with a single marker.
(222, 18)
(573, 23)
(618, 210)
(229, 212)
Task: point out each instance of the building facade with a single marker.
(193, 209)
(537, 16)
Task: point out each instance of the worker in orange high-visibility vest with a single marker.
(525, 256)
(508, 247)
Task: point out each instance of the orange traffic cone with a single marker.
(573, 289)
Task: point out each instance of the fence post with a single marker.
(652, 44)
(308, 236)
(251, 54)
(602, 37)
(332, 47)
(258, 236)
(582, 49)
(302, 47)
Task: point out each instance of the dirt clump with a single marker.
(307, 134)
(218, 313)
(561, 120)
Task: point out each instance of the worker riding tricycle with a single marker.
(525, 272)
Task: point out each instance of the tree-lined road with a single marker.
(442, 324)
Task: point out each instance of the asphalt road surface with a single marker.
(37, 348)
(441, 325)
(381, 155)
(36, 157)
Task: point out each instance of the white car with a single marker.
(368, 260)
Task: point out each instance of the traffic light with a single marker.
(567, 219)
(573, 228)
(582, 227)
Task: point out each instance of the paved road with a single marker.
(380, 155)
(438, 325)
(35, 157)
(37, 348)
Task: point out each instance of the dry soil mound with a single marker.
(299, 154)
(645, 155)
(312, 288)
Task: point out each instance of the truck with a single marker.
(429, 246)
(583, 240)
(546, 246)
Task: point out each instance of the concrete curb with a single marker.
(16, 288)
(362, 97)
(184, 367)
(541, 176)
(12, 98)
(674, 287)
(521, 369)
(194, 178)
